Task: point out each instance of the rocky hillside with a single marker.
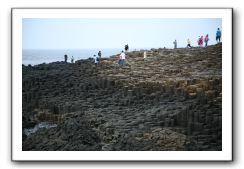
(172, 100)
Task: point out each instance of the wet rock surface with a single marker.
(170, 101)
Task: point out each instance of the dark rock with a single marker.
(171, 101)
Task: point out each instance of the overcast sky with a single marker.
(114, 33)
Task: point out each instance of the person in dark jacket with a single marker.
(126, 47)
(99, 55)
(72, 59)
(65, 58)
(175, 44)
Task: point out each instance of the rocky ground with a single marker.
(172, 101)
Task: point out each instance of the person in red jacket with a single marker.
(201, 41)
(198, 40)
(206, 39)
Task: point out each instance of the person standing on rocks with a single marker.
(126, 48)
(122, 58)
(206, 39)
(200, 41)
(144, 54)
(218, 35)
(175, 44)
(99, 55)
(65, 58)
(188, 43)
(96, 60)
(72, 59)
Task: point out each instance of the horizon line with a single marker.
(87, 48)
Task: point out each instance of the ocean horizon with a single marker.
(39, 56)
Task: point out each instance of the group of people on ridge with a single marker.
(97, 58)
(201, 40)
(66, 58)
(121, 61)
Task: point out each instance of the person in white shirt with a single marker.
(96, 59)
(122, 58)
(188, 43)
(144, 54)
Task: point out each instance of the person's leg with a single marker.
(123, 62)
(120, 62)
(218, 39)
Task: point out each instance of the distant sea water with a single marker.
(36, 56)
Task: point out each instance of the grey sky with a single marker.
(114, 33)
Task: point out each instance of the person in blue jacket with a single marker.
(218, 35)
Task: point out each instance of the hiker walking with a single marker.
(122, 58)
(206, 39)
(188, 43)
(218, 35)
(175, 44)
(65, 58)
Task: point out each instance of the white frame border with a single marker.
(18, 155)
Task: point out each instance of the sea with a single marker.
(39, 56)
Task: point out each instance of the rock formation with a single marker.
(172, 100)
